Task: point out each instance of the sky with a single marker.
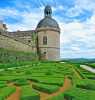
(76, 19)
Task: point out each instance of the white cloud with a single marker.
(79, 35)
(75, 48)
(10, 12)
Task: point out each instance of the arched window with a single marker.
(44, 40)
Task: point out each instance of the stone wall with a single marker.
(9, 43)
(52, 49)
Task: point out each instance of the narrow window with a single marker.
(29, 41)
(44, 40)
(44, 52)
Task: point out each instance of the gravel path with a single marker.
(45, 96)
(15, 95)
(88, 68)
(77, 73)
(15, 67)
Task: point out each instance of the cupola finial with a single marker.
(48, 11)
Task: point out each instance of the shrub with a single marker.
(22, 82)
(57, 97)
(49, 80)
(28, 72)
(3, 85)
(6, 91)
(7, 56)
(79, 94)
(3, 82)
(27, 93)
(85, 84)
(46, 88)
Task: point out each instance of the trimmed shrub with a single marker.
(3, 85)
(6, 91)
(46, 88)
(49, 80)
(57, 97)
(27, 93)
(22, 82)
(3, 82)
(85, 84)
(48, 73)
(28, 72)
(79, 94)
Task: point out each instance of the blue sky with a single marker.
(76, 19)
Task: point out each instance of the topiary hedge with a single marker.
(79, 94)
(22, 82)
(27, 93)
(3, 85)
(6, 91)
(13, 55)
(46, 88)
(57, 97)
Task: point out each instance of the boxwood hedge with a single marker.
(46, 87)
(28, 93)
(6, 91)
(22, 82)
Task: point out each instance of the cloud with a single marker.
(77, 38)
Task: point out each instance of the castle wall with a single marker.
(9, 43)
(52, 48)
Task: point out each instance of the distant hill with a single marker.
(79, 59)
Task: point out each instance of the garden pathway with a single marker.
(77, 73)
(88, 68)
(16, 94)
(45, 96)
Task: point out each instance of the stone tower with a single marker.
(48, 37)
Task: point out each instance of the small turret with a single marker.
(47, 11)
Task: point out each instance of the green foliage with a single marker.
(27, 93)
(46, 88)
(85, 73)
(33, 36)
(3, 82)
(57, 97)
(79, 94)
(48, 72)
(90, 65)
(6, 91)
(7, 56)
(22, 82)
(85, 84)
(28, 72)
(49, 80)
(3, 85)
(14, 65)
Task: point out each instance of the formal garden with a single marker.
(46, 81)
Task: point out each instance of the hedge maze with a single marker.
(56, 80)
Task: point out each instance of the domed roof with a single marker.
(48, 7)
(48, 20)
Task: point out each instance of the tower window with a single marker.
(44, 40)
(29, 41)
(44, 52)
